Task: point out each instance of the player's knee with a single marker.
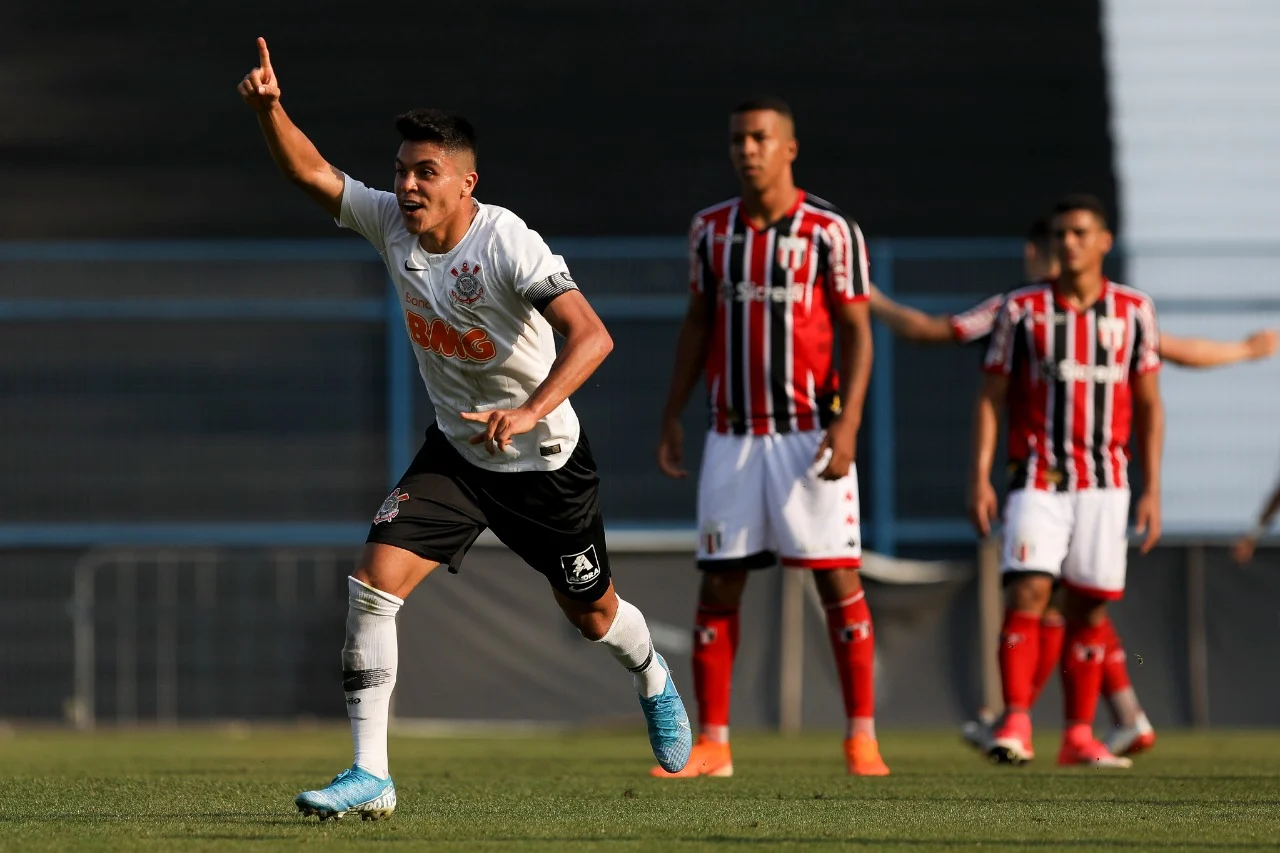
(592, 625)
(837, 584)
(1029, 593)
(1081, 607)
(722, 589)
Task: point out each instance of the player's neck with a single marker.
(767, 206)
(449, 233)
(1082, 289)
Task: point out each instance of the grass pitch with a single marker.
(221, 789)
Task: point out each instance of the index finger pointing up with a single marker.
(264, 57)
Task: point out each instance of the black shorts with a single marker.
(551, 519)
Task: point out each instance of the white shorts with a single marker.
(759, 495)
(1080, 537)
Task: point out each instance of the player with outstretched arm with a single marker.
(481, 295)
(1133, 732)
(1074, 362)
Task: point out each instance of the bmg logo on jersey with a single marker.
(581, 569)
(443, 339)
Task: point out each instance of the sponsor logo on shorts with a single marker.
(1023, 550)
(712, 537)
(390, 507)
(581, 569)
(704, 635)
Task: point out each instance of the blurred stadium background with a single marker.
(205, 394)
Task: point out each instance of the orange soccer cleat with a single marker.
(862, 756)
(1011, 740)
(1080, 748)
(708, 758)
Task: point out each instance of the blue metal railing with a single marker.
(886, 530)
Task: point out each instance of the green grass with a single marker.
(223, 789)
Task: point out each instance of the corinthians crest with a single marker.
(467, 287)
(390, 507)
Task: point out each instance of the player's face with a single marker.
(432, 184)
(1080, 241)
(762, 147)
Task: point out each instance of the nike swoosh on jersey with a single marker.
(413, 269)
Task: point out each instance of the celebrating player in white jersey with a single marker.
(481, 295)
(773, 274)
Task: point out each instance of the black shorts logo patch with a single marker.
(581, 569)
(549, 449)
(390, 507)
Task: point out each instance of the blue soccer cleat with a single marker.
(668, 724)
(353, 790)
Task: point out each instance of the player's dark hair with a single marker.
(1082, 201)
(1040, 232)
(448, 129)
(777, 105)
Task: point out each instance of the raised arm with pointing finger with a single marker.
(296, 156)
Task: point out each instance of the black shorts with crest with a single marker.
(550, 519)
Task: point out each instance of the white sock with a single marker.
(369, 660)
(715, 734)
(1125, 704)
(860, 725)
(629, 641)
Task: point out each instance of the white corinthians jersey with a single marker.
(473, 317)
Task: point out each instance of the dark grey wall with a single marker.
(256, 634)
(918, 117)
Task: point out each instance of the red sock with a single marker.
(1082, 656)
(854, 645)
(715, 640)
(1052, 631)
(1019, 657)
(1115, 663)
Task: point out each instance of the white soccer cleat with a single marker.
(1130, 740)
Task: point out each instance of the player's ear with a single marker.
(1108, 240)
(793, 149)
(469, 181)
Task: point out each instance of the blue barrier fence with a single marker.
(886, 530)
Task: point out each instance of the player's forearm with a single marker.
(579, 357)
(909, 323)
(691, 352)
(857, 354)
(1269, 511)
(294, 154)
(1199, 352)
(986, 432)
(1150, 422)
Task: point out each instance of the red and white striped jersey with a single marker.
(974, 324)
(770, 358)
(1070, 395)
